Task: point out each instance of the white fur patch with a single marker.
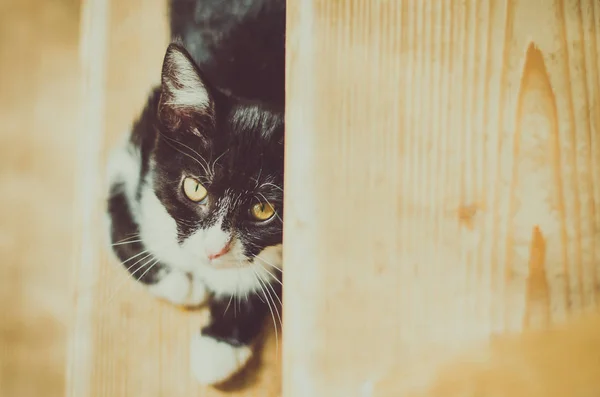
(212, 240)
(123, 167)
(177, 287)
(158, 230)
(242, 280)
(213, 362)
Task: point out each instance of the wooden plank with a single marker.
(38, 64)
(92, 52)
(442, 180)
(137, 345)
(563, 360)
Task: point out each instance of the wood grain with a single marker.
(134, 345)
(442, 180)
(39, 99)
(563, 360)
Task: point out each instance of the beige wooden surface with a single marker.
(125, 342)
(442, 181)
(562, 360)
(39, 98)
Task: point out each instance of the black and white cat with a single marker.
(196, 189)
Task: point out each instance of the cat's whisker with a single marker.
(261, 299)
(278, 300)
(267, 270)
(134, 256)
(200, 158)
(261, 278)
(150, 268)
(271, 184)
(246, 296)
(228, 304)
(126, 242)
(258, 177)
(240, 264)
(193, 151)
(130, 273)
(231, 298)
(237, 291)
(264, 291)
(214, 163)
(125, 280)
(204, 167)
(130, 236)
(273, 300)
(263, 259)
(266, 287)
(268, 263)
(138, 261)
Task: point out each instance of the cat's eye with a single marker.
(194, 190)
(262, 211)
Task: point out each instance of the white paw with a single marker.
(198, 294)
(214, 362)
(176, 287)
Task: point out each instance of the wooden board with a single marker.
(442, 180)
(125, 342)
(39, 97)
(562, 360)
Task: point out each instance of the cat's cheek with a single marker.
(180, 289)
(213, 362)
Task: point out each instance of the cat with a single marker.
(195, 203)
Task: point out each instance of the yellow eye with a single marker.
(194, 190)
(262, 211)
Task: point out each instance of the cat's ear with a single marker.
(184, 93)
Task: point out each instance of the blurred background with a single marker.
(39, 98)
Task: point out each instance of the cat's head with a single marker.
(217, 169)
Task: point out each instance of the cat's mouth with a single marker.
(227, 257)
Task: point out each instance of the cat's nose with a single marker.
(220, 253)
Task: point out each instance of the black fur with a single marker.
(237, 50)
(239, 44)
(238, 323)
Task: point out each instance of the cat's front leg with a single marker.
(224, 346)
(163, 281)
(179, 288)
